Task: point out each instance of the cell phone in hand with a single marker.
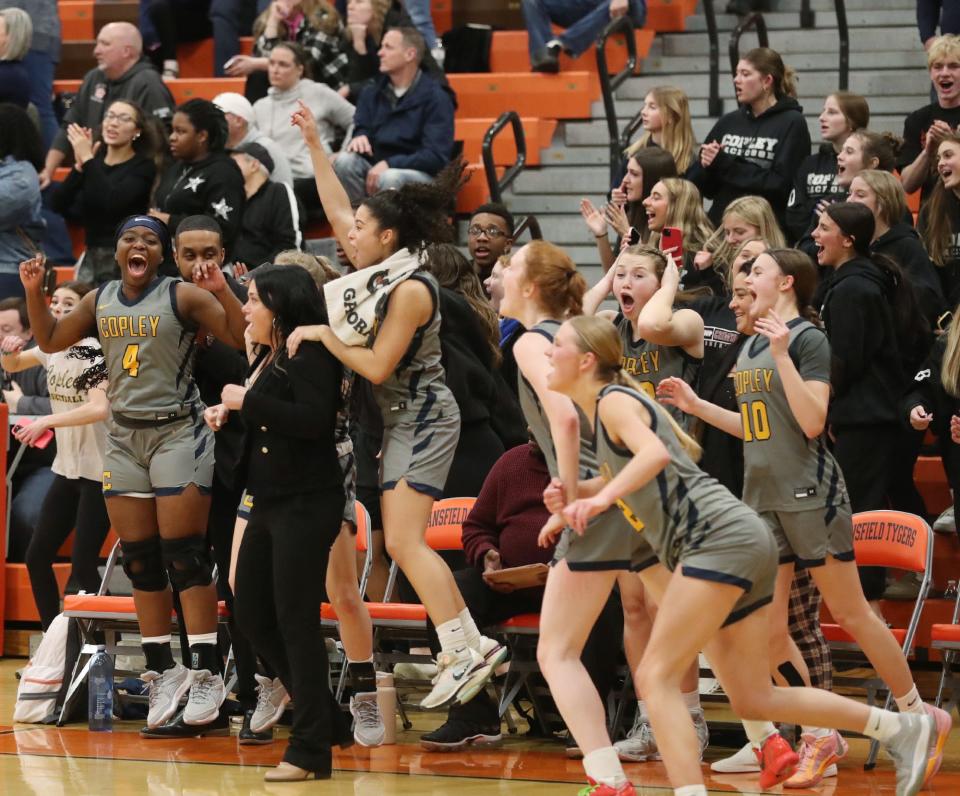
(671, 239)
(42, 441)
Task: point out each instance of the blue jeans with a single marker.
(229, 24)
(41, 68)
(584, 21)
(352, 170)
(419, 11)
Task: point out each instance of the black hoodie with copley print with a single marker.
(816, 179)
(760, 156)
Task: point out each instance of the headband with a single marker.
(151, 223)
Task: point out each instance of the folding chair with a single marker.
(947, 639)
(111, 616)
(896, 540)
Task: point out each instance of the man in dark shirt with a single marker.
(924, 129)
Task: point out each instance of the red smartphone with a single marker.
(671, 238)
(43, 440)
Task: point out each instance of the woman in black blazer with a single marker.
(290, 469)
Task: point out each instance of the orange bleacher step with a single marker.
(196, 57)
(509, 53)
(19, 606)
(669, 15)
(931, 481)
(564, 96)
(76, 20)
(537, 132)
(183, 89)
(442, 13)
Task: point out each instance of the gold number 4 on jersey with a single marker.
(130, 362)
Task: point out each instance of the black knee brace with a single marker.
(143, 563)
(187, 561)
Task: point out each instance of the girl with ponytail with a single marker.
(716, 564)
(783, 382)
(400, 355)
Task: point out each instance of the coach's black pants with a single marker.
(281, 570)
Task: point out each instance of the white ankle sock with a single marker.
(882, 725)
(691, 790)
(910, 702)
(470, 632)
(642, 709)
(451, 636)
(603, 767)
(156, 639)
(200, 638)
(692, 701)
(758, 731)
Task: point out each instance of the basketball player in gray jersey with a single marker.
(782, 386)
(158, 464)
(723, 562)
(658, 342)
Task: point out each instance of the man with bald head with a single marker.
(121, 74)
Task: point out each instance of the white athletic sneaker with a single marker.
(910, 750)
(272, 698)
(743, 762)
(414, 671)
(639, 745)
(164, 692)
(454, 671)
(368, 727)
(494, 654)
(207, 693)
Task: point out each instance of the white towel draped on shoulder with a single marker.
(352, 301)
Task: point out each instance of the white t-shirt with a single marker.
(79, 448)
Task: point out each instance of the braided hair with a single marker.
(207, 117)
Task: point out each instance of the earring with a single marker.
(136, 136)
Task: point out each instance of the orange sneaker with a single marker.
(777, 761)
(816, 756)
(594, 789)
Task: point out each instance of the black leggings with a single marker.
(70, 502)
(281, 570)
(177, 22)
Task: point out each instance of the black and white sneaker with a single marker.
(457, 734)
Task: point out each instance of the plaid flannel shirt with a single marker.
(328, 58)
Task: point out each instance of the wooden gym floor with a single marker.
(74, 762)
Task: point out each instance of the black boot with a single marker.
(248, 737)
(177, 728)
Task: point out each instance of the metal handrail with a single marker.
(714, 103)
(754, 20)
(808, 17)
(531, 223)
(844, 31)
(609, 84)
(496, 185)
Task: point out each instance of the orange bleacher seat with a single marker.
(669, 15)
(931, 481)
(76, 20)
(183, 89)
(509, 53)
(564, 96)
(537, 132)
(442, 13)
(105, 608)
(196, 57)
(19, 604)
(475, 192)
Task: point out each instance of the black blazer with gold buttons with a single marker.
(290, 415)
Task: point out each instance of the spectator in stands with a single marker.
(584, 20)
(674, 202)
(177, 21)
(925, 128)
(746, 218)
(422, 19)
(877, 337)
(510, 329)
(290, 86)
(843, 113)
(41, 60)
(666, 124)
(242, 125)
(21, 224)
(203, 180)
(933, 14)
(366, 22)
(758, 148)
(313, 24)
(16, 34)
(501, 532)
(111, 179)
(230, 19)
(897, 239)
(489, 237)
(266, 226)
(76, 380)
(645, 168)
(120, 74)
(403, 129)
(25, 395)
(939, 224)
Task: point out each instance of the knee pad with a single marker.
(143, 564)
(187, 561)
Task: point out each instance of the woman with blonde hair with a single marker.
(843, 113)
(746, 218)
(313, 24)
(666, 124)
(758, 148)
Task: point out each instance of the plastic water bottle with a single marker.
(387, 702)
(100, 692)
